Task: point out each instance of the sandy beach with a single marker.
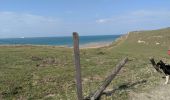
(95, 45)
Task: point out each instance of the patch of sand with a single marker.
(161, 92)
(95, 45)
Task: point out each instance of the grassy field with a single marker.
(47, 72)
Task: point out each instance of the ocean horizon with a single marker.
(58, 41)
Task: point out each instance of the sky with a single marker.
(43, 18)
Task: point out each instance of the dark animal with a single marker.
(162, 66)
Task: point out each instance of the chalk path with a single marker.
(161, 92)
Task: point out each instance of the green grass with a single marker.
(47, 72)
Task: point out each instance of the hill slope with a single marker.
(154, 37)
(145, 42)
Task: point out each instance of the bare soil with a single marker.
(161, 92)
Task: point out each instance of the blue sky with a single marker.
(39, 18)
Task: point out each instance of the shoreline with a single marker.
(96, 45)
(82, 46)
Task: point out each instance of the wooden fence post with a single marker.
(77, 65)
(102, 87)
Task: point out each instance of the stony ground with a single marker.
(161, 92)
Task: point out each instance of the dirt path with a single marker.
(161, 92)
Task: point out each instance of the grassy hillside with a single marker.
(47, 72)
(153, 40)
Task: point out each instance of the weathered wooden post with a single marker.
(102, 87)
(77, 65)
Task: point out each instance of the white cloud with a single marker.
(137, 17)
(102, 20)
(22, 24)
(136, 20)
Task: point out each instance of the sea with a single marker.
(58, 41)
